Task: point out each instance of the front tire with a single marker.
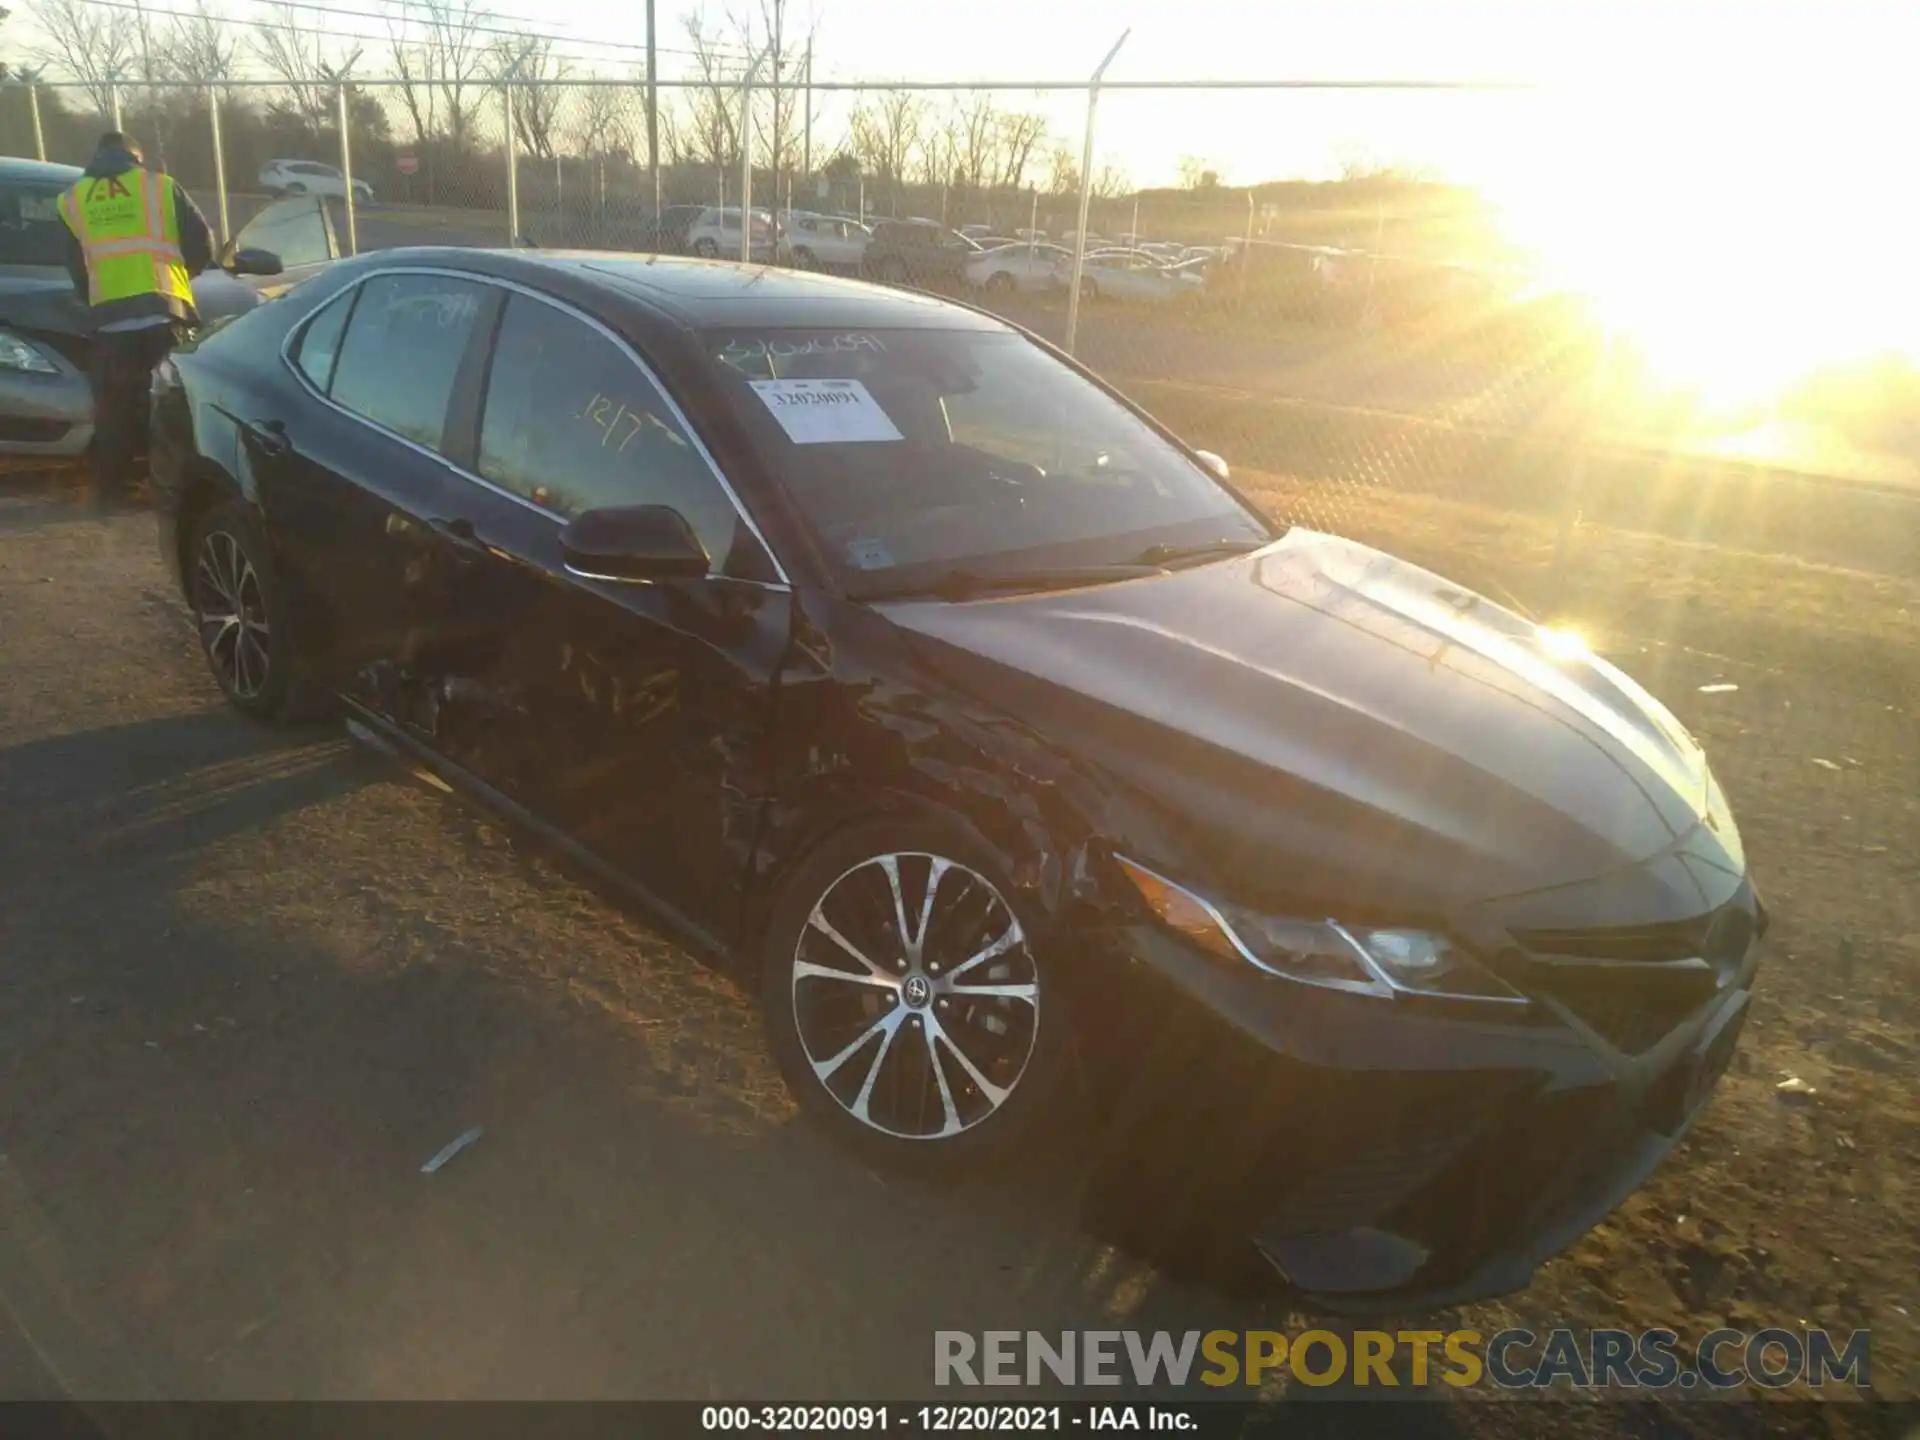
(907, 1008)
(1000, 283)
(241, 617)
(706, 248)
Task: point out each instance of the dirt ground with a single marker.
(250, 981)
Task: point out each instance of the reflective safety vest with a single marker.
(129, 231)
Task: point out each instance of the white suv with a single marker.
(309, 177)
(716, 234)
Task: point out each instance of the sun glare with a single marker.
(1732, 248)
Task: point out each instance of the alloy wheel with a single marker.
(915, 996)
(230, 609)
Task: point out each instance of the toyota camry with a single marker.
(881, 650)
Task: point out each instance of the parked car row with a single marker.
(919, 251)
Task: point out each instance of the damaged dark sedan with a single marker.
(881, 650)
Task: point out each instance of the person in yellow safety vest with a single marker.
(136, 240)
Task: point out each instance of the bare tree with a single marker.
(1063, 170)
(536, 105)
(939, 144)
(771, 30)
(600, 125)
(1110, 180)
(1020, 135)
(885, 133)
(975, 130)
(88, 43)
(711, 135)
(203, 49)
(455, 43)
(298, 57)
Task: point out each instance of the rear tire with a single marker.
(1000, 283)
(937, 1055)
(803, 259)
(242, 618)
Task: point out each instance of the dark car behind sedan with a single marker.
(882, 651)
(917, 252)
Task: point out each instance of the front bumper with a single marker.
(46, 415)
(1381, 1155)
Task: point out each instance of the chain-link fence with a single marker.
(1366, 333)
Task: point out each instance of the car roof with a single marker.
(702, 294)
(16, 171)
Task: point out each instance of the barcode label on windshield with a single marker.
(826, 412)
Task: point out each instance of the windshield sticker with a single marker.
(826, 412)
(869, 553)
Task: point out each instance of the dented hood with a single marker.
(1319, 720)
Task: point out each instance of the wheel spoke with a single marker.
(1006, 942)
(820, 922)
(803, 969)
(995, 1095)
(865, 1097)
(909, 941)
(1030, 993)
(886, 1024)
(949, 1112)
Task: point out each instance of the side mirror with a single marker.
(255, 262)
(1214, 463)
(633, 544)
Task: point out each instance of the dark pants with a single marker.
(123, 364)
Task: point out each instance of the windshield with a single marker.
(31, 230)
(922, 451)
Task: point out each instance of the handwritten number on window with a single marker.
(601, 411)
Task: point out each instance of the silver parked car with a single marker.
(1025, 267)
(715, 235)
(823, 242)
(1133, 276)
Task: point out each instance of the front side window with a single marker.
(402, 352)
(970, 449)
(297, 230)
(573, 423)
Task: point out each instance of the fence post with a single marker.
(513, 172)
(39, 135)
(1246, 244)
(219, 166)
(1575, 490)
(1086, 195)
(113, 94)
(746, 165)
(346, 170)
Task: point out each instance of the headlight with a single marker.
(1360, 959)
(19, 354)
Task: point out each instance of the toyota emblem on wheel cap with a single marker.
(916, 992)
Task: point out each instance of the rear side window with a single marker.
(402, 352)
(320, 342)
(573, 423)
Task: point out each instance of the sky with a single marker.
(1834, 68)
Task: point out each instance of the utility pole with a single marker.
(153, 104)
(653, 113)
(778, 157)
(806, 143)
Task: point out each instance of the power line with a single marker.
(325, 31)
(480, 29)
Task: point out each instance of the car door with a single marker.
(299, 231)
(632, 717)
(355, 472)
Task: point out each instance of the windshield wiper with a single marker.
(1163, 555)
(965, 584)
